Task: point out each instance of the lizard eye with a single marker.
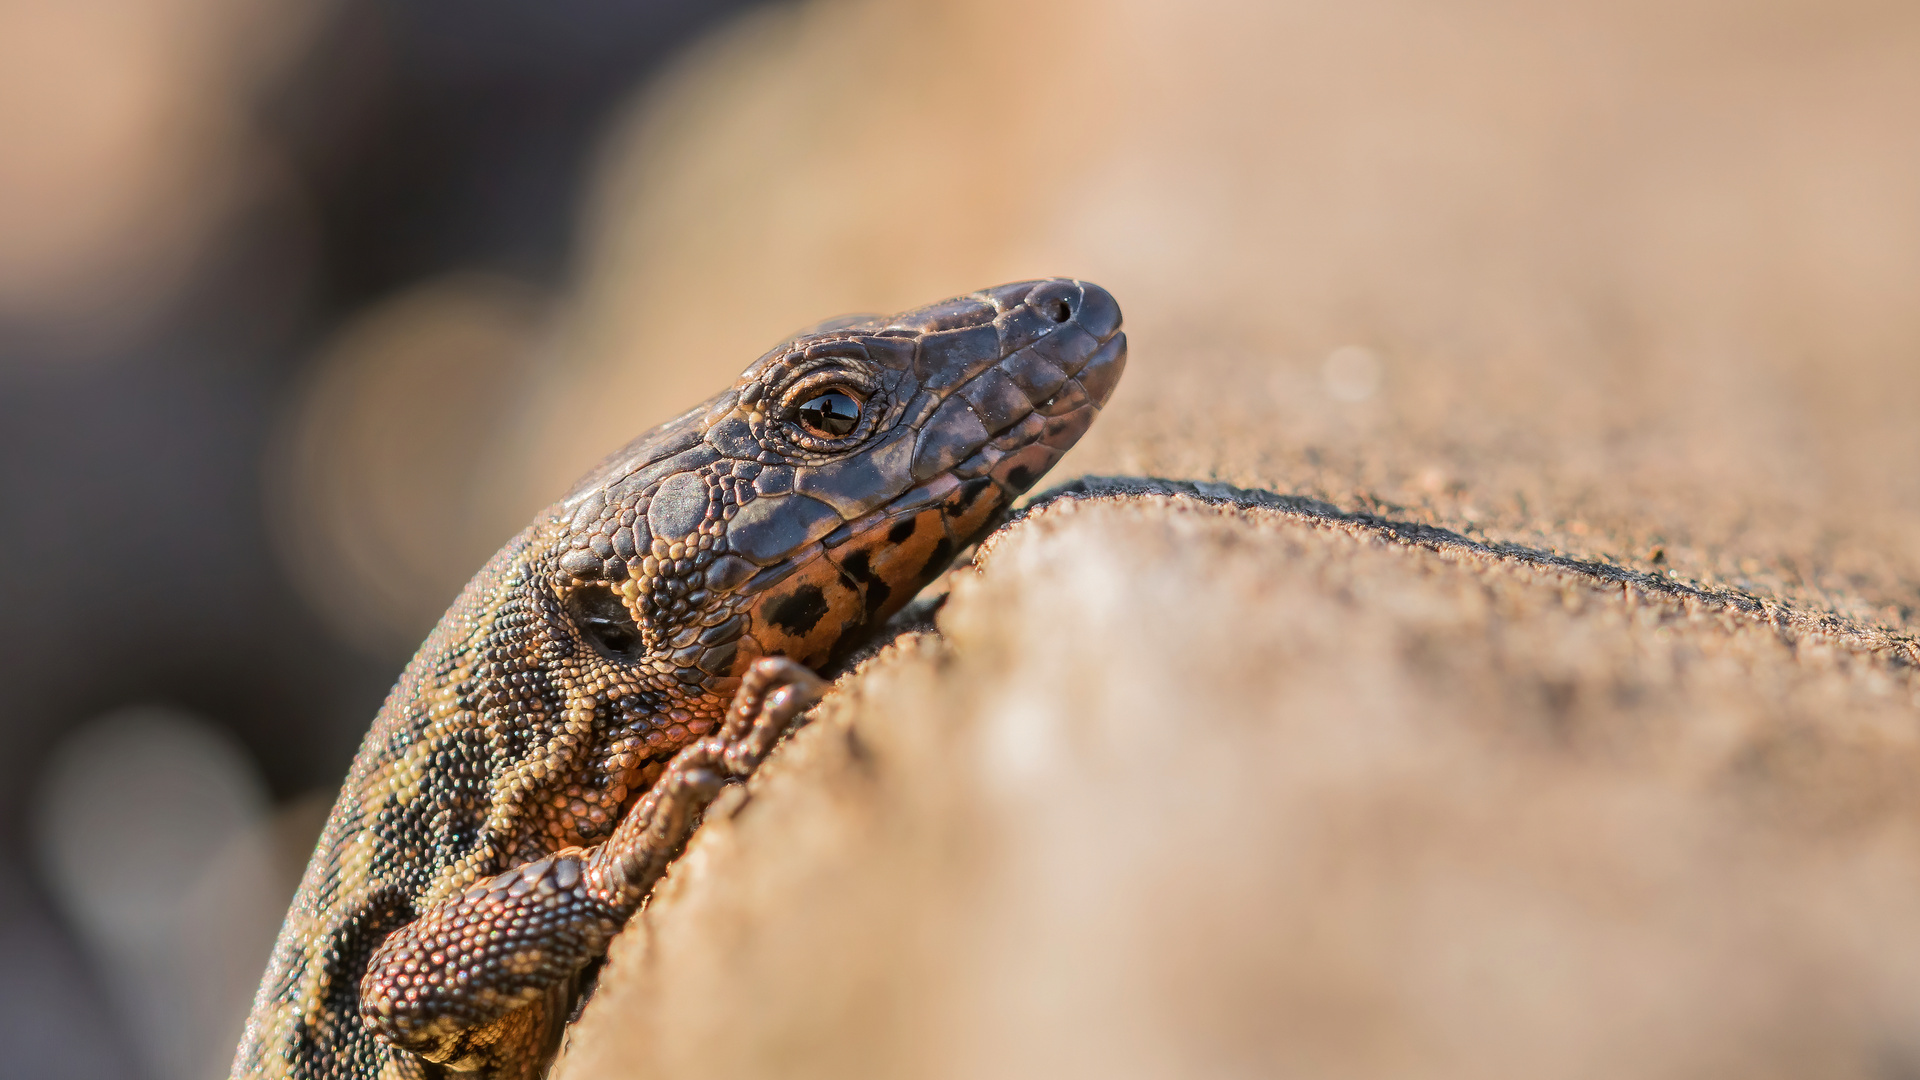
(831, 415)
(604, 621)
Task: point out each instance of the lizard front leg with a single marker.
(479, 982)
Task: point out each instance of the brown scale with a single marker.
(546, 753)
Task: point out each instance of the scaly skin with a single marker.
(647, 639)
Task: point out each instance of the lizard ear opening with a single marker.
(603, 620)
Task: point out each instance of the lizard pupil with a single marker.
(604, 621)
(832, 414)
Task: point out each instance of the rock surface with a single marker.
(1184, 788)
(1555, 715)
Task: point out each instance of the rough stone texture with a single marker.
(1613, 777)
(1186, 789)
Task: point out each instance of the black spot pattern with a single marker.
(800, 610)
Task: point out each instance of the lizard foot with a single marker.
(774, 693)
(478, 982)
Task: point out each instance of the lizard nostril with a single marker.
(1062, 311)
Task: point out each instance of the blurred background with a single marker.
(305, 307)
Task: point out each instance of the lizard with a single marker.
(549, 749)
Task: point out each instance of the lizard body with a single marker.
(549, 748)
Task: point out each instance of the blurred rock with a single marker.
(386, 491)
(128, 143)
(154, 830)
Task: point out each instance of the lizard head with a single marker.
(839, 474)
(799, 507)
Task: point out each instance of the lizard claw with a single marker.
(775, 692)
